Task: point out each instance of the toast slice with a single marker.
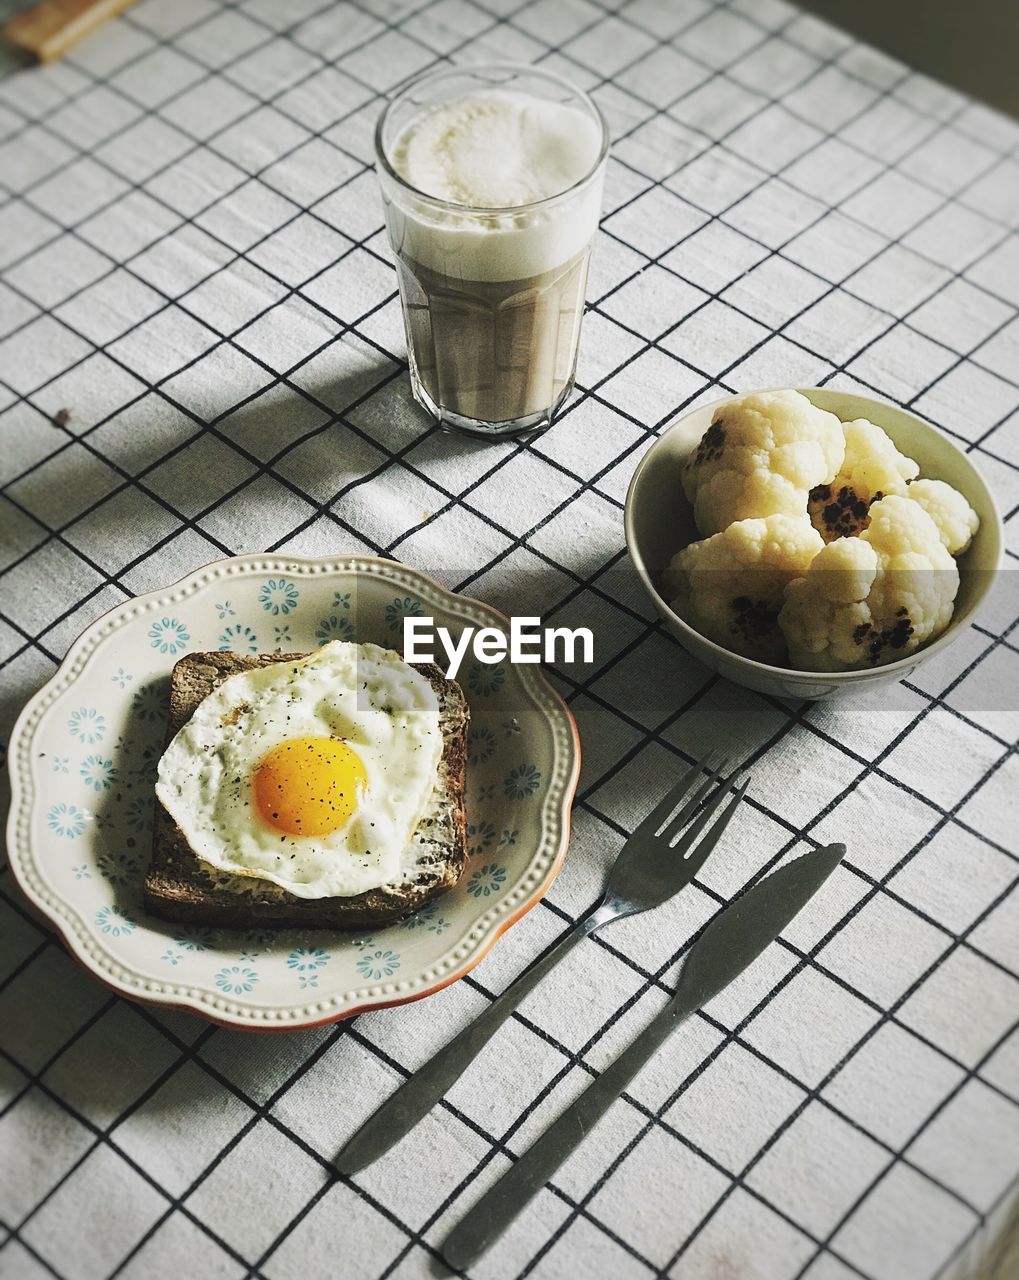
(181, 887)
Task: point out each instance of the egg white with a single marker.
(387, 713)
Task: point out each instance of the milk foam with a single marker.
(496, 149)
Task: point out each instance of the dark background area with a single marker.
(972, 44)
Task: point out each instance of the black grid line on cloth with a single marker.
(301, 143)
(295, 442)
(831, 286)
(265, 1106)
(790, 321)
(824, 137)
(655, 734)
(734, 1035)
(821, 67)
(1004, 1200)
(796, 721)
(812, 1094)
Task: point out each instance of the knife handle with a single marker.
(403, 1109)
(497, 1208)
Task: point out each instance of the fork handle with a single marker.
(400, 1112)
(492, 1214)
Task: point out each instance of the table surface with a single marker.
(195, 270)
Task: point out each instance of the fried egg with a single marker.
(312, 774)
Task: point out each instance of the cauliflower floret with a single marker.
(872, 469)
(730, 585)
(868, 600)
(956, 520)
(761, 456)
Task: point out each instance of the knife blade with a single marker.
(729, 944)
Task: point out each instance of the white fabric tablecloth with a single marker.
(195, 271)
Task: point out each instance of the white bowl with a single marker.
(659, 522)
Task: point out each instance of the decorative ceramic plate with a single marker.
(83, 758)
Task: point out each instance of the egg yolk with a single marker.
(308, 786)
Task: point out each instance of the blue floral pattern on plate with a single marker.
(402, 607)
(306, 962)
(521, 782)
(238, 639)
(278, 596)
(193, 939)
(480, 744)
(197, 938)
(487, 880)
(334, 628)
(67, 819)
(97, 773)
(87, 725)
(307, 958)
(427, 918)
(115, 922)
(145, 764)
(486, 680)
(480, 836)
(149, 702)
(138, 813)
(169, 636)
(121, 867)
(378, 963)
(236, 979)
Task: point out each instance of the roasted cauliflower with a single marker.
(867, 600)
(730, 586)
(761, 456)
(872, 469)
(956, 520)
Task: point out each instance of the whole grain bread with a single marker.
(181, 887)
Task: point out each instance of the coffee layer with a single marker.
(494, 351)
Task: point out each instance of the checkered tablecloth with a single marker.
(201, 353)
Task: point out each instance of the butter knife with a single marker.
(730, 943)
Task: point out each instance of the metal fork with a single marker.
(653, 865)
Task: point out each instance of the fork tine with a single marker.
(709, 808)
(690, 808)
(697, 857)
(665, 806)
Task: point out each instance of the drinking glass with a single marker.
(492, 298)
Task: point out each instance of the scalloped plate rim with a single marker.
(267, 1020)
